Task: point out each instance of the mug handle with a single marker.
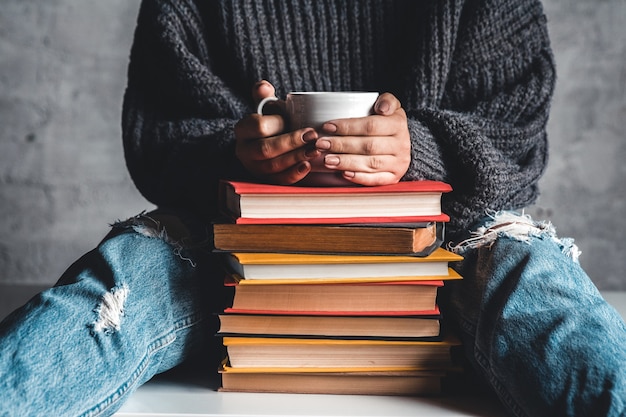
(263, 102)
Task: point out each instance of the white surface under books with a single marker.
(177, 396)
(168, 398)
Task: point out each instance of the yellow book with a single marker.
(313, 266)
(239, 280)
(340, 380)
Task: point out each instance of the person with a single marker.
(467, 87)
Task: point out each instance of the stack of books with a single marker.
(335, 288)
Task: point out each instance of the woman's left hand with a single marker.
(372, 150)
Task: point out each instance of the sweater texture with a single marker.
(475, 78)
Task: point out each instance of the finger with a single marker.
(291, 175)
(363, 145)
(362, 163)
(387, 104)
(287, 166)
(371, 179)
(367, 126)
(273, 147)
(256, 126)
(262, 89)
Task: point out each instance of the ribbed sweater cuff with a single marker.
(426, 155)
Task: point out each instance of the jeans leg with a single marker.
(536, 328)
(131, 308)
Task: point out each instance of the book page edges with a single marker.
(238, 280)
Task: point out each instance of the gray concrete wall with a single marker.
(62, 174)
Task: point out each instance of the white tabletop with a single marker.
(163, 397)
(185, 396)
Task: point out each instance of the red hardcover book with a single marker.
(407, 201)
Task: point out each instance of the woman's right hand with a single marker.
(266, 150)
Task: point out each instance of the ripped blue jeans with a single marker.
(137, 305)
(533, 325)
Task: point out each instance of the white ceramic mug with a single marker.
(313, 109)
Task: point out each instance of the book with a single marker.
(359, 297)
(285, 324)
(359, 355)
(334, 382)
(417, 239)
(406, 201)
(265, 265)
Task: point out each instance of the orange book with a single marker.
(407, 201)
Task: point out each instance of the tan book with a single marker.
(425, 326)
(340, 382)
(381, 238)
(359, 355)
(403, 297)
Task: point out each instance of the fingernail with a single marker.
(349, 174)
(329, 127)
(322, 144)
(303, 167)
(311, 152)
(309, 136)
(331, 160)
(382, 106)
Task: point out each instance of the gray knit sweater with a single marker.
(474, 76)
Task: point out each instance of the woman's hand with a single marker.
(266, 150)
(372, 150)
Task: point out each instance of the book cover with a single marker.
(264, 265)
(365, 313)
(416, 239)
(408, 201)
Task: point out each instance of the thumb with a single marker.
(262, 89)
(387, 104)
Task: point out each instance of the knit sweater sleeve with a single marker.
(486, 133)
(178, 115)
